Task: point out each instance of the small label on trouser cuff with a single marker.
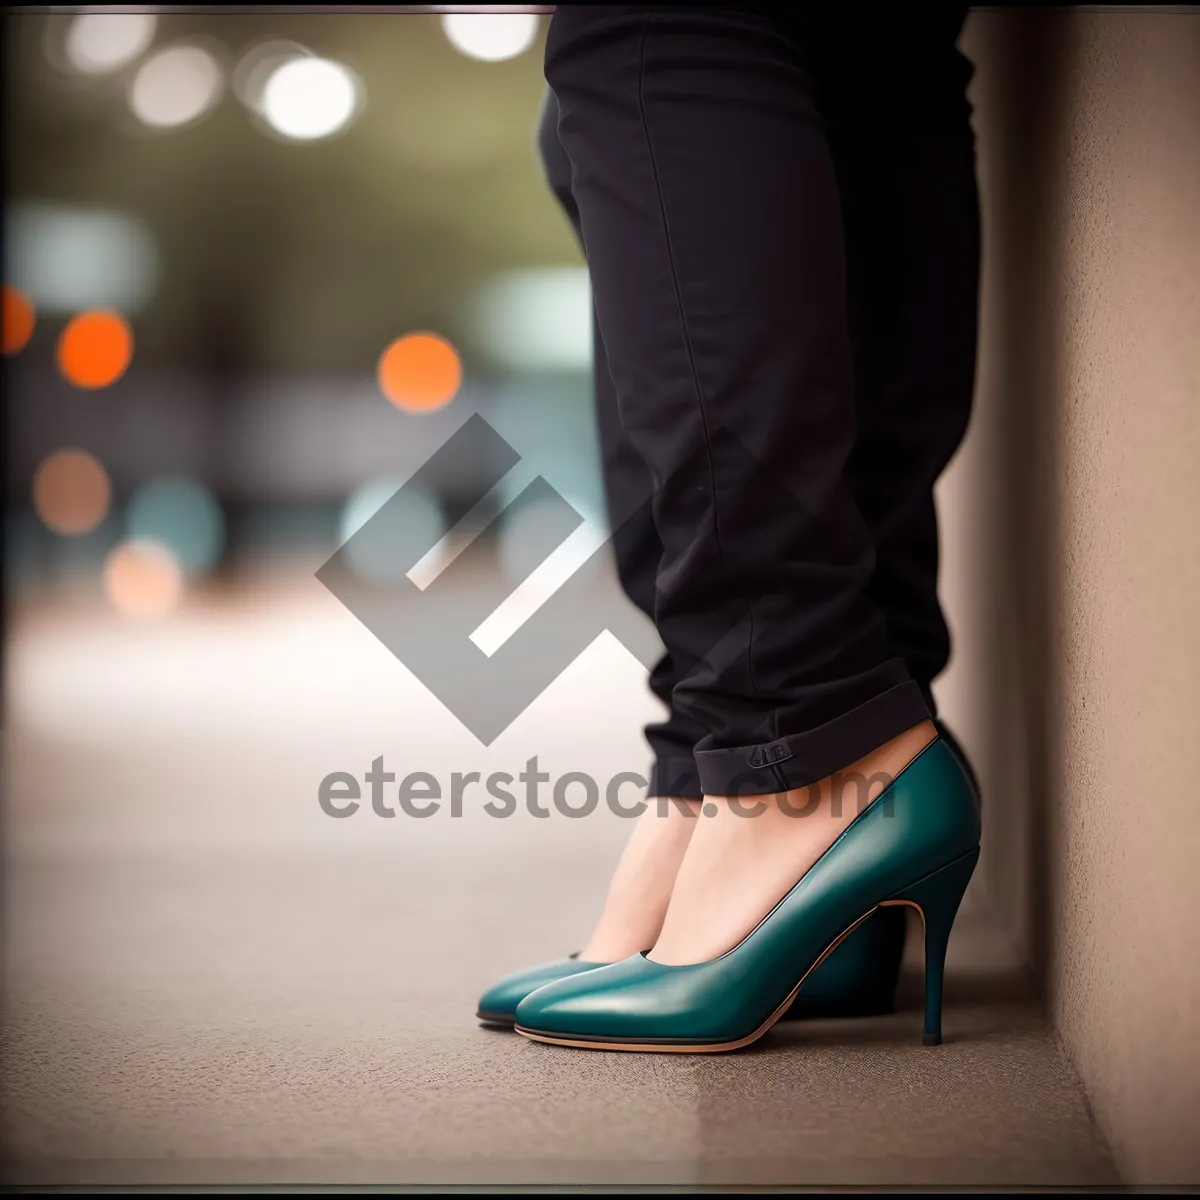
(766, 756)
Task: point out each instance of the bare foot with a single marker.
(641, 885)
(738, 866)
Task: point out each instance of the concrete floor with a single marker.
(209, 981)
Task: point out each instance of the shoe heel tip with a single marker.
(932, 1039)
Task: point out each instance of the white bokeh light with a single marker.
(491, 37)
(175, 86)
(256, 66)
(98, 43)
(308, 98)
(536, 318)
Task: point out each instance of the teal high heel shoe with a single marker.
(858, 979)
(916, 845)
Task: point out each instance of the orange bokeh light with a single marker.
(71, 492)
(420, 372)
(142, 579)
(95, 349)
(18, 319)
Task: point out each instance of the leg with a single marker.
(911, 214)
(906, 175)
(911, 227)
(636, 544)
(861, 977)
(710, 213)
(641, 886)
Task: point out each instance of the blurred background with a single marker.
(258, 266)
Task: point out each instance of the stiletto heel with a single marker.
(936, 898)
(859, 978)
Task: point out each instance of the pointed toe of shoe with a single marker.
(634, 1000)
(498, 1005)
(564, 1006)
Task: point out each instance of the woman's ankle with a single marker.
(640, 890)
(754, 849)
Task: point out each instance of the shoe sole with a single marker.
(499, 1020)
(880, 1008)
(670, 1046)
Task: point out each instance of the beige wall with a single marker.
(1073, 551)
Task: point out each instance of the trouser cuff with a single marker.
(800, 759)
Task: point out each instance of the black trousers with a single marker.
(780, 217)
